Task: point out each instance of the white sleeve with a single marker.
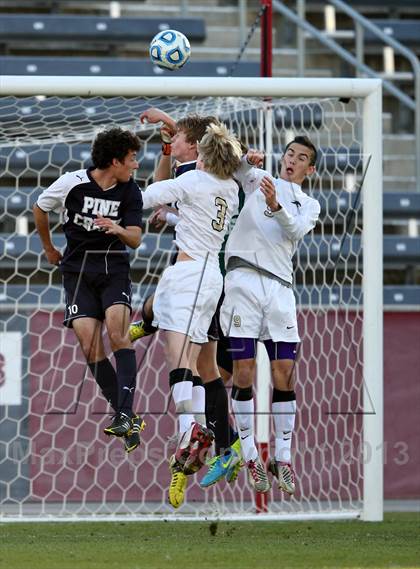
(249, 177)
(55, 195)
(163, 192)
(172, 218)
(298, 225)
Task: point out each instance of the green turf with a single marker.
(130, 545)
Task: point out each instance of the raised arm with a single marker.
(163, 192)
(249, 173)
(295, 226)
(154, 116)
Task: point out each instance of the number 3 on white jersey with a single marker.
(219, 223)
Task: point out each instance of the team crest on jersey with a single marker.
(237, 321)
(268, 212)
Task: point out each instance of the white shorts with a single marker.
(259, 307)
(186, 298)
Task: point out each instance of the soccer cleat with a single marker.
(233, 470)
(132, 438)
(257, 476)
(121, 425)
(178, 483)
(219, 466)
(137, 330)
(193, 447)
(285, 475)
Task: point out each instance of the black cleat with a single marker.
(132, 438)
(121, 425)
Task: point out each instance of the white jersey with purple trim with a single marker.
(268, 240)
(206, 205)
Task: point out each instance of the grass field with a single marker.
(131, 545)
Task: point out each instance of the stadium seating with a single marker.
(96, 110)
(406, 32)
(117, 67)
(42, 28)
(52, 296)
(329, 250)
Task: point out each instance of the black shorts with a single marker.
(224, 357)
(88, 295)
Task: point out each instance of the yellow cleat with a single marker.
(178, 483)
(233, 470)
(137, 331)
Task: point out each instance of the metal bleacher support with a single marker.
(362, 25)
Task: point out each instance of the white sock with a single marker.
(182, 396)
(199, 404)
(284, 413)
(244, 417)
(185, 420)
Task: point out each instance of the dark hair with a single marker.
(113, 143)
(304, 141)
(194, 126)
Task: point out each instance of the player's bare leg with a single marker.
(141, 328)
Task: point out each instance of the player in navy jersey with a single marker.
(102, 215)
(259, 301)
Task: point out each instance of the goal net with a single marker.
(55, 461)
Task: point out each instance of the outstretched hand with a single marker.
(107, 225)
(155, 115)
(159, 216)
(255, 158)
(269, 190)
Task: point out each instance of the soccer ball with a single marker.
(170, 50)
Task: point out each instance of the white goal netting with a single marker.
(54, 458)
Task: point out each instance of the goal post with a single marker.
(339, 301)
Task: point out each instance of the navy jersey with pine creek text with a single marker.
(89, 248)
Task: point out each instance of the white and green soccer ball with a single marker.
(170, 49)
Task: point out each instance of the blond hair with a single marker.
(220, 151)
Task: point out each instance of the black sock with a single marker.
(126, 376)
(148, 319)
(106, 378)
(217, 414)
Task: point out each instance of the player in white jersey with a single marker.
(179, 143)
(187, 294)
(259, 301)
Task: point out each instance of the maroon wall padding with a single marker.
(72, 457)
(402, 405)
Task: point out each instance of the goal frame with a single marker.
(370, 91)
